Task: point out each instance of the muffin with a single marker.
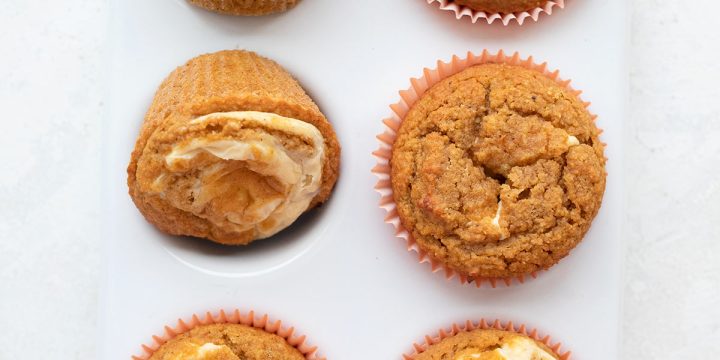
(246, 7)
(227, 342)
(497, 171)
(501, 6)
(233, 150)
(488, 344)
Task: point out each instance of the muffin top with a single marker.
(501, 6)
(488, 345)
(498, 171)
(227, 342)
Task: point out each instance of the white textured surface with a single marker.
(672, 292)
(51, 84)
(51, 71)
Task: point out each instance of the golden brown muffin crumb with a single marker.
(501, 6)
(498, 171)
(227, 342)
(246, 7)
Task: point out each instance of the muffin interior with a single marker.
(246, 172)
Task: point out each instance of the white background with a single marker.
(52, 82)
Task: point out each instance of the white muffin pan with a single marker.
(340, 275)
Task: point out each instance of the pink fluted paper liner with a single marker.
(263, 322)
(506, 19)
(400, 109)
(469, 325)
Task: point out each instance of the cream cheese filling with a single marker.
(572, 141)
(207, 351)
(496, 220)
(523, 349)
(299, 174)
(516, 349)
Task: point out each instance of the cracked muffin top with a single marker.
(488, 345)
(227, 342)
(501, 6)
(498, 171)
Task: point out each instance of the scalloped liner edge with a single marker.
(233, 317)
(520, 17)
(418, 86)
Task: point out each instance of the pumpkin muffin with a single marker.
(498, 171)
(488, 345)
(246, 7)
(233, 150)
(501, 6)
(227, 342)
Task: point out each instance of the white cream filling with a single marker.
(279, 164)
(202, 352)
(207, 348)
(516, 349)
(496, 220)
(301, 174)
(572, 141)
(523, 349)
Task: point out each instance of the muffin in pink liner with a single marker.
(506, 18)
(199, 337)
(571, 228)
(487, 340)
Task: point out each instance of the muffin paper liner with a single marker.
(383, 154)
(469, 325)
(263, 322)
(463, 11)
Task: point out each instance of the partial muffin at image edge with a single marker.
(487, 344)
(232, 149)
(246, 7)
(497, 171)
(501, 6)
(227, 342)
(229, 335)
